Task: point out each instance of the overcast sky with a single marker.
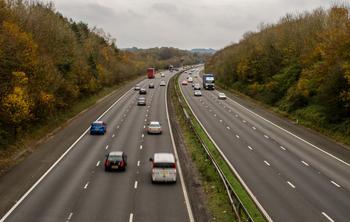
(183, 24)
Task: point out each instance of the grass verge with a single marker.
(216, 197)
(240, 191)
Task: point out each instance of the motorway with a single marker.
(291, 179)
(77, 188)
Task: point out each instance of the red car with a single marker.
(116, 160)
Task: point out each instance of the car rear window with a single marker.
(164, 165)
(115, 158)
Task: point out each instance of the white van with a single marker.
(163, 167)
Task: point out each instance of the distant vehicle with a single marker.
(141, 101)
(154, 127)
(162, 75)
(151, 85)
(137, 87)
(142, 91)
(171, 68)
(162, 83)
(151, 72)
(197, 86)
(116, 160)
(190, 79)
(195, 76)
(197, 93)
(98, 127)
(184, 82)
(208, 81)
(163, 167)
(221, 96)
(193, 84)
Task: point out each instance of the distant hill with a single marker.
(203, 50)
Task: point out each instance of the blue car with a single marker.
(98, 127)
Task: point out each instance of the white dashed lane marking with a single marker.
(251, 148)
(305, 163)
(290, 184)
(86, 185)
(138, 163)
(131, 217)
(267, 163)
(282, 148)
(135, 185)
(266, 137)
(69, 216)
(98, 163)
(335, 184)
(254, 128)
(328, 217)
(140, 147)
(113, 135)
(227, 127)
(107, 146)
(237, 136)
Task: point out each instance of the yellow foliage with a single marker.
(17, 106)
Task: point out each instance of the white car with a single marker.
(197, 86)
(162, 75)
(163, 167)
(197, 93)
(221, 96)
(190, 80)
(162, 83)
(154, 127)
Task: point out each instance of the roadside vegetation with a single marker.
(51, 65)
(300, 66)
(218, 201)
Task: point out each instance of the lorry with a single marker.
(208, 81)
(151, 72)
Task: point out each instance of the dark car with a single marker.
(98, 127)
(142, 91)
(116, 160)
(141, 101)
(151, 85)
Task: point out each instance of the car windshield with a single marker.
(96, 124)
(154, 125)
(163, 165)
(115, 158)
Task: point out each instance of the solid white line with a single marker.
(98, 163)
(267, 216)
(135, 185)
(282, 148)
(131, 217)
(138, 163)
(290, 184)
(57, 161)
(281, 128)
(140, 147)
(305, 163)
(267, 163)
(266, 136)
(328, 217)
(86, 185)
(335, 184)
(251, 148)
(184, 190)
(107, 146)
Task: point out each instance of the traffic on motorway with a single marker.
(124, 167)
(289, 178)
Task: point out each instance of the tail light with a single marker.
(107, 162)
(174, 165)
(121, 163)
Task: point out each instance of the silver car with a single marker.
(154, 127)
(163, 168)
(221, 96)
(197, 93)
(162, 83)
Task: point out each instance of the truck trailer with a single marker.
(151, 72)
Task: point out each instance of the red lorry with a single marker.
(151, 72)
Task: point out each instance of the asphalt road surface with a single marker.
(290, 177)
(78, 189)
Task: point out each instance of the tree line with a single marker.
(300, 65)
(49, 62)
